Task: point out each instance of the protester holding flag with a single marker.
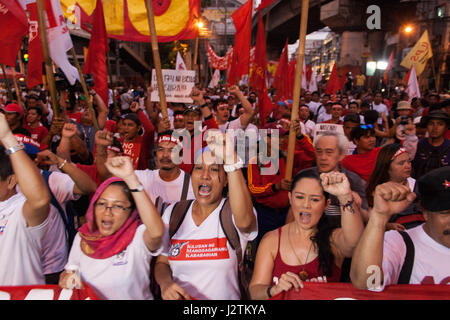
(308, 249)
(113, 250)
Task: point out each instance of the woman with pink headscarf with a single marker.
(113, 249)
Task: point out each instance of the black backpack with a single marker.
(68, 217)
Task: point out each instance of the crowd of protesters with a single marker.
(92, 197)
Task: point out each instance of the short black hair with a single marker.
(178, 112)
(358, 132)
(5, 165)
(37, 108)
(371, 116)
(219, 101)
(352, 117)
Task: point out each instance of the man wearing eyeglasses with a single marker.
(363, 159)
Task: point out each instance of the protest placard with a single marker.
(177, 85)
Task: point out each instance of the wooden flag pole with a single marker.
(156, 58)
(8, 88)
(16, 86)
(85, 90)
(297, 87)
(48, 62)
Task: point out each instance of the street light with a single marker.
(382, 65)
(408, 29)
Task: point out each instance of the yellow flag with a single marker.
(419, 54)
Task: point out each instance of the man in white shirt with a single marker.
(307, 124)
(379, 106)
(168, 184)
(314, 104)
(423, 255)
(23, 216)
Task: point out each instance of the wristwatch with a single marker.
(14, 149)
(233, 167)
(139, 188)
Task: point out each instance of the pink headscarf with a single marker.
(96, 246)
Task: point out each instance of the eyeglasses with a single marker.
(193, 109)
(366, 126)
(115, 209)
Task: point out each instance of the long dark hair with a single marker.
(380, 173)
(321, 238)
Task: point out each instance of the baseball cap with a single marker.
(403, 105)
(13, 108)
(285, 103)
(434, 189)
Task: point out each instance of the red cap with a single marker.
(13, 107)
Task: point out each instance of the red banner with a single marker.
(46, 292)
(346, 291)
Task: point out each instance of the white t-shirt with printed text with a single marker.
(201, 259)
(124, 276)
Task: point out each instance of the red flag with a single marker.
(34, 68)
(258, 78)
(265, 106)
(96, 59)
(291, 75)
(242, 19)
(386, 73)
(281, 81)
(264, 4)
(333, 84)
(14, 23)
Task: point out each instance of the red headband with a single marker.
(168, 138)
(398, 153)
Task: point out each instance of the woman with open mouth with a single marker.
(203, 250)
(113, 249)
(308, 249)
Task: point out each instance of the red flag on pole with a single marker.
(258, 78)
(333, 84)
(386, 73)
(96, 58)
(242, 19)
(291, 76)
(281, 81)
(264, 4)
(14, 23)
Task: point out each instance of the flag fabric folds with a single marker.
(333, 84)
(281, 80)
(59, 42)
(419, 54)
(96, 57)
(389, 67)
(127, 20)
(242, 19)
(413, 85)
(180, 65)
(13, 19)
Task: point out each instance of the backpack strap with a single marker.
(186, 183)
(55, 203)
(232, 235)
(178, 213)
(405, 273)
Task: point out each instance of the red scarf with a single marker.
(96, 246)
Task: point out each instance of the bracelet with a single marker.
(349, 205)
(268, 291)
(62, 164)
(203, 105)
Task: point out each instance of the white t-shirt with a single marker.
(323, 116)
(313, 106)
(308, 128)
(124, 276)
(431, 259)
(234, 124)
(20, 246)
(202, 261)
(380, 108)
(55, 250)
(169, 191)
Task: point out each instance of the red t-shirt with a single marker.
(74, 116)
(362, 164)
(38, 133)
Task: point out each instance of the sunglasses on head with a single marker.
(366, 126)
